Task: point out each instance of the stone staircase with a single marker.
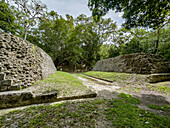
(5, 85)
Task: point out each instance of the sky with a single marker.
(77, 7)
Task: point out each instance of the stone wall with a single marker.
(22, 63)
(140, 63)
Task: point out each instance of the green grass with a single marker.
(66, 84)
(115, 76)
(72, 114)
(132, 82)
(118, 113)
(129, 98)
(124, 114)
(160, 107)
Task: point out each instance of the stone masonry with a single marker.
(140, 63)
(22, 63)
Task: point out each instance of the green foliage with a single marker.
(129, 98)
(72, 42)
(27, 13)
(164, 47)
(104, 51)
(131, 47)
(6, 18)
(137, 13)
(140, 40)
(114, 51)
(160, 107)
(142, 13)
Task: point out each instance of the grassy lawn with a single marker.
(66, 84)
(132, 82)
(120, 113)
(118, 77)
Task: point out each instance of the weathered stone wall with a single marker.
(22, 63)
(140, 63)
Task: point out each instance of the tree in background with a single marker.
(6, 18)
(143, 13)
(27, 13)
(164, 48)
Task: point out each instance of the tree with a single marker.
(28, 12)
(152, 13)
(87, 34)
(104, 51)
(6, 18)
(53, 34)
(143, 13)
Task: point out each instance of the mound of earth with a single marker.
(22, 63)
(140, 63)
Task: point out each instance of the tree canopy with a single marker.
(6, 18)
(145, 13)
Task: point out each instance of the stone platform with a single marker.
(153, 78)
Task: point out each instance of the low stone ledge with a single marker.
(44, 98)
(14, 99)
(19, 98)
(104, 79)
(153, 78)
(89, 95)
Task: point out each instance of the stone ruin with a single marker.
(21, 63)
(139, 63)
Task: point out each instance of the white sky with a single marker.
(77, 7)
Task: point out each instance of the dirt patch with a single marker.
(103, 89)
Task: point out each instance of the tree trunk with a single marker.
(25, 36)
(157, 41)
(75, 68)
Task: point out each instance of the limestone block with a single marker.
(13, 98)
(2, 76)
(5, 82)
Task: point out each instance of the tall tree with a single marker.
(144, 13)
(6, 18)
(28, 12)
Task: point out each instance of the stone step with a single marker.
(153, 78)
(21, 98)
(2, 76)
(5, 84)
